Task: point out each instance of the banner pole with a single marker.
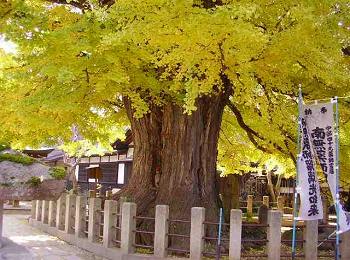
(296, 183)
(218, 245)
(337, 202)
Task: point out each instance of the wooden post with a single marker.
(109, 194)
(266, 201)
(92, 194)
(325, 210)
(250, 205)
(15, 203)
(280, 203)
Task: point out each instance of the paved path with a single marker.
(23, 242)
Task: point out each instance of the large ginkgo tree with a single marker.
(172, 70)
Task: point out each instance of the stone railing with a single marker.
(94, 226)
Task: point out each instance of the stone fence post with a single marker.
(311, 239)
(197, 233)
(80, 216)
(38, 211)
(95, 206)
(52, 213)
(266, 201)
(70, 213)
(235, 234)
(344, 245)
(1, 222)
(274, 220)
(250, 205)
(33, 210)
(110, 219)
(325, 210)
(161, 231)
(60, 212)
(280, 203)
(128, 227)
(45, 212)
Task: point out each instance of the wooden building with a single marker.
(115, 168)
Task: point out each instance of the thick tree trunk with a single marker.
(142, 185)
(270, 188)
(230, 191)
(175, 159)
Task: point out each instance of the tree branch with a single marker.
(250, 132)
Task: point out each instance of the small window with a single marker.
(121, 173)
(76, 172)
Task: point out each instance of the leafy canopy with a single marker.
(73, 67)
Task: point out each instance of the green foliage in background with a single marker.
(17, 158)
(58, 173)
(34, 181)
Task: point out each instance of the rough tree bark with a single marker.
(175, 158)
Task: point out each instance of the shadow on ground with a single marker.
(13, 251)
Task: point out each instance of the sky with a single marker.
(7, 46)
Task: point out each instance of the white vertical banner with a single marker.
(308, 185)
(320, 122)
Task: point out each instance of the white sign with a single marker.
(320, 122)
(308, 186)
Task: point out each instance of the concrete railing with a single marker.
(70, 219)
